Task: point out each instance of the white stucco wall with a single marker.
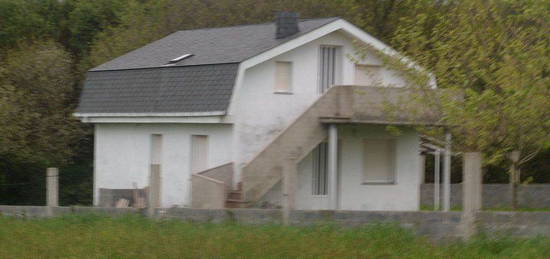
(122, 156)
(353, 194)
(259, 113)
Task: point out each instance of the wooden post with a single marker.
(290, 171)
(472, 199)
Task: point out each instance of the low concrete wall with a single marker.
(43, 211)
(109, 197)
(437, 225)
(495, 195)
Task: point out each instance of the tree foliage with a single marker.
(35, 104)
(495, 55)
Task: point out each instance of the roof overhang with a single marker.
(182, 117)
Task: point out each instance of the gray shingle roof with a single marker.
(209, 46)
(138, 82)
(159, 90)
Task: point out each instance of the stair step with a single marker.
(236, 201)
(235, 195)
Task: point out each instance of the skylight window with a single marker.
(180, 58)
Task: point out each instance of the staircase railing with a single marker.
(209, 188)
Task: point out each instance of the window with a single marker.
(283, 77)
(199, 153)
(320, 168)
(328, 63)
(379, 161)
(367, 75)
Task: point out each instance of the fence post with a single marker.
(52, 189)
(471, 193)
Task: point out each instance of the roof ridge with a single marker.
(254, 24)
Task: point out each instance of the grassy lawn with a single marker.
(133, 236)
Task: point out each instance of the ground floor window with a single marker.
(320, 166)
(379, 161)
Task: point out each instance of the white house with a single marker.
(253, 115)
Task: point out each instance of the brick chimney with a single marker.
(287, 24)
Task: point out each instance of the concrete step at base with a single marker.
(235, 203)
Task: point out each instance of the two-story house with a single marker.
(254, 115)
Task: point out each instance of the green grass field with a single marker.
(137, 237)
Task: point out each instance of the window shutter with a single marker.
(379, 160)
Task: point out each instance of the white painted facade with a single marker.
(122, 156)
(353, 193)
(256, 115)
(272, 112)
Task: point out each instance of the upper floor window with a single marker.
(329, 63)
(367, 75)
(283, 77)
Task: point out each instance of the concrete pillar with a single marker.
(472, 184)
(333, 166)
(153, 191)
(290, 172)
(52, 187)
(437, 179)
(447, 174)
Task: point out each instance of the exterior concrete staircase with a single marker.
(292, 144)
(339, 105)
(235, 198)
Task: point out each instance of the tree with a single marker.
(36, 102)
(495, 54)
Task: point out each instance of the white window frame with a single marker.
(193, 167)
(319, 189)
(393, 161)
(337, 68)
(276, 84)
